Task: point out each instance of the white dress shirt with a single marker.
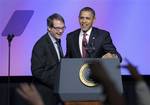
(55, 45)
(81, 37)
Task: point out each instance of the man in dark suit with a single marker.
(89, 41)
(45, 61)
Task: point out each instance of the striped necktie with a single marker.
(84, 46)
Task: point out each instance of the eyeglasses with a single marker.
(59, 28)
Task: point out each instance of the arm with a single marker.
(109, 48)
(43, 66)
(100, 76)
(141, 88)
(132, 70)
(67, 47)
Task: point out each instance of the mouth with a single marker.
(59, 35)
(83, 25)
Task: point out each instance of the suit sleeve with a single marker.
(108, 45)
(68, 47)
(42, 70)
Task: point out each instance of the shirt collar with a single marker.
(88, 32)
(51, 37)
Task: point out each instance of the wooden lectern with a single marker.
(74, 86)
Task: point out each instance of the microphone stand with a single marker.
(9, 38)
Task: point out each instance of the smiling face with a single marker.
(86, 20)
(57, 29)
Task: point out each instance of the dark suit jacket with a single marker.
(45, 67)
(99, 39)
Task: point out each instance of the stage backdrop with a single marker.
(128, 22)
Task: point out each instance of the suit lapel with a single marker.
(51, 47)
(93, 37)
(76, 41)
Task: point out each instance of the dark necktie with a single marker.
(84, 46)
(58, 42)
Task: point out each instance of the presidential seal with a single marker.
(84, 74)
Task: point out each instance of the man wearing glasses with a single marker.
(45, 61)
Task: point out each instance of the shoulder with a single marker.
(75, 32)
(100, 33)
(41, 41)
(99, 30)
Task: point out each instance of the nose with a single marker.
(60, 31)
(84, 20)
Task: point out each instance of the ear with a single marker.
(49, 29)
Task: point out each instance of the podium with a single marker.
(73, 86)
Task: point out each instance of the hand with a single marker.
(30, 94)
(98, 72)
(109, 56)
(132, 69)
